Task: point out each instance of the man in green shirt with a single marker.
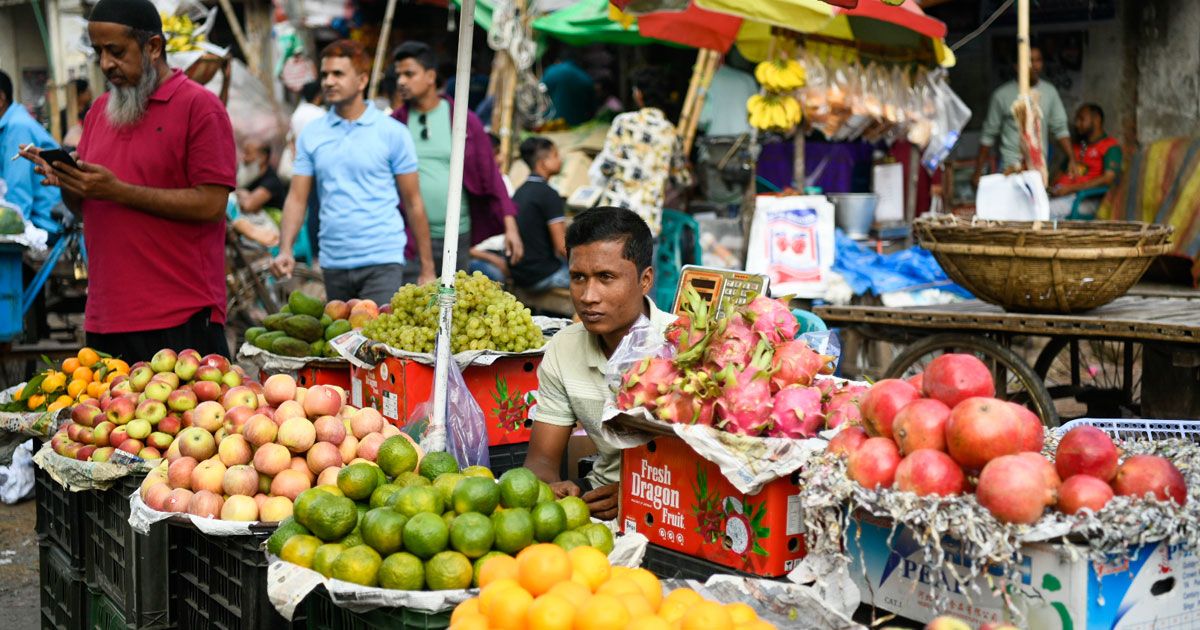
(1001, 126)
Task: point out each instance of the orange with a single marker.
(620, 586)
(589, 566)
(741, 613)
(757, 624)
(96, 390)
(650, 586)
(706, 615)
(572, 591)
(58, 404)
(541, 566)
(508, 611)
(76, 387)
(636, 605)
(648, 622)
(35, 401)
(82, 373)
(619, 571)
(88, 357)
(551, 612)
(465, 609)
(494, 592)
(498, 568)
(118, 366)
(53, 382)
(602, 612)
(470, 622)
(677, 603)
(71, 364)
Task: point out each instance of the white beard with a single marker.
(126, 105)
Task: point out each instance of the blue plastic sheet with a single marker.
(869, 272)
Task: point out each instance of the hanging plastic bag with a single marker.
(951, 117)
(642, 341)
(466, 430)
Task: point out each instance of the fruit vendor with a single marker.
(609, 254)
(155, 167)
(1097, 163)
(363, 164)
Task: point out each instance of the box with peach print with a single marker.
(505, 390)
(683, 502)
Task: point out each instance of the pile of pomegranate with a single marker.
(745, 373)
(943, 433)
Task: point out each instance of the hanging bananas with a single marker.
(774, 112)
(780, 75)
(180, 32)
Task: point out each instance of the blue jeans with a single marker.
(560, 279)
(486, 268)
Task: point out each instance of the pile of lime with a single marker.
(405, 525)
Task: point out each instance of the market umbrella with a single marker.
(483, 12)
(692, 27)
(588, 22)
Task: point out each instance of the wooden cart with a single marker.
(1138, 356)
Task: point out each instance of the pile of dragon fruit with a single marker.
(745, 373)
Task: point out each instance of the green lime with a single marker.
(480, 561)
(402, 572)
(381, 529)
(448, 571)
(287, 528)
(449, 516)
(514, 530)
(569, 540)
(323, 559)
(577, 512)
(396, 456)
(549, 520)
(478, 471)
(300, 549)
(425, 535)
(411, 479)
(476, 494)
(417, 499)
(471, 534)
(353, 539)
(599, 536)
(358, 481)
(305, 499)
(358, 565)
(330, 518)
(519, 488)
(383, 493)
(545, 494)
(445, 484)
(437, 463)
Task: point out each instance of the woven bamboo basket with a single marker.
(1043, 266)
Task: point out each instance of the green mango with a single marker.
(267, 339)
(317, 348)
(275, 322)
(253, 333)
(304, 328)
(326, 320)
(338, 327)
(289, 347)
(303, 304)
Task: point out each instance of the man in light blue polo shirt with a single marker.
(360, 159)
(25, 190)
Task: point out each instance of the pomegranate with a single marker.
(1049, 475)
(1142, 474)
(1086, 451)
(917, 381)
(921, 424)
(873, 464)
(847, 441)
(929, 472)
(980, 430)
(953, 378)
(884, 400)
(1083, 491)
(1013, 489)
(1033, 436)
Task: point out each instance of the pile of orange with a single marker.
(548, 588)
(85, 376)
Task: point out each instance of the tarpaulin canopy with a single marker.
(692, 27)
(588, 22)
(483, 13)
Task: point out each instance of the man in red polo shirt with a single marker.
(156, 164)
(1096, 159)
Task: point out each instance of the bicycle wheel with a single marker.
(1093, 378)
(1015, 380)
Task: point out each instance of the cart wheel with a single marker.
(1092, 378)
(1015, 380)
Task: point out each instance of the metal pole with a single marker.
(385, 33)
(446, 297)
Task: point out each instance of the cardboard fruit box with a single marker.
(505, 390)
(682, 502)
(1158, 586)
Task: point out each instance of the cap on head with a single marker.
(139, 15)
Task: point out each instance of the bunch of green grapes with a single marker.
(485, 318)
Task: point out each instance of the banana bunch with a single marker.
(774, 112)
(780, 75)
(181, 35)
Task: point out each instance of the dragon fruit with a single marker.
(733, 344)
(797, 413)
(772, 319)
(691, 332)
(796, 364)
(847, 414)
(745, 404)
(642, 385)
(692, 400)
(843, 406)
(828, 388)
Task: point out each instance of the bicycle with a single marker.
(253, 292)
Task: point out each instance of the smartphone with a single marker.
(58, 155)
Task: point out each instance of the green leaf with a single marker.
(48, 362)
(34, 385)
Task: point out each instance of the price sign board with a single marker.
(720, 287)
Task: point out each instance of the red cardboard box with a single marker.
(317, 372)
(681, 501)
(505, 391)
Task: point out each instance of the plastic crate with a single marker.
(321, 614)
(219, 581)
(1138, 429)
(668, 564)
(128, 567)
(62, 591)
(11, 291)
(103, 614)
(58, 517)
(506, 457)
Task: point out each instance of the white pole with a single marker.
(1023, 47)
(458, 149)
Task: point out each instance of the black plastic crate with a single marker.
(59, 517)
(506, 457)
(668, 564)
(103, 614)
(321, 613)
(220, 581)
(62, 591)
(128, 567)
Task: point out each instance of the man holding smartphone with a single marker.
(154, 170)
(17, 130)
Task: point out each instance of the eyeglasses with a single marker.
(423, 120)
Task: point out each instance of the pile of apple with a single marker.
(943, 433)
(144, 411)
(247, 457)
